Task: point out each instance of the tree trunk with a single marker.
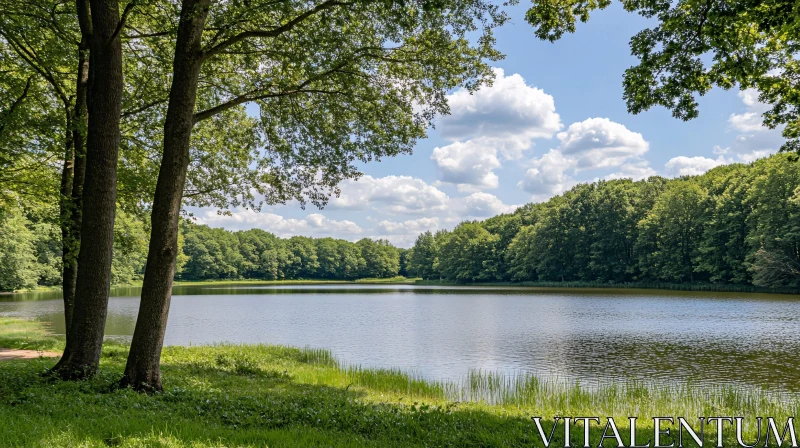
(143, 371)
(82, 355)
(69, 267)
(72, 188)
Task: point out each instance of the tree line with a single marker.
(32, 258)
(736, 224)
(136, 108)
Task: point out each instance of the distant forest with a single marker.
(33, 256)
(736, 224)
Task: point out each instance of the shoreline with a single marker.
(256, 395)
(587, 286)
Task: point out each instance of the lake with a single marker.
(586, 335)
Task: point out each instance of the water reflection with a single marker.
(443, 332)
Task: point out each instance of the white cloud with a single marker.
(314, 224)
(484, 205)
(396, 194)
(637, 170)
(754, 139)
(547, 176)
(498, 120)
(411, 226)
(691, 166)
(601, 143)
(508, 109)
(592, 144)
(468, 164)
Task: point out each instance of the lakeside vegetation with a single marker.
(33, 257)
(698, 287)
(735, 227)
(256, 395)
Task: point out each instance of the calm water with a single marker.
(443, 332)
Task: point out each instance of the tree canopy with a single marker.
(697, 45)
(736, 224)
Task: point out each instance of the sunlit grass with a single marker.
(259, 395)
(27, 335)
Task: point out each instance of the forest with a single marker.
(32, 256)
(735, 224)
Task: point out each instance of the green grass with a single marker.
(275, 396)
(27, 335)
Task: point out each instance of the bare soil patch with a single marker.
(7, 354)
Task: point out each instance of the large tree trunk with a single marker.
(82, 355)
(143, 371)
(72, 186)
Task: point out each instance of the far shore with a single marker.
(399, 280)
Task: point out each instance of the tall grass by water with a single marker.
(259, 395)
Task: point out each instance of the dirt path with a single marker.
(7, 354)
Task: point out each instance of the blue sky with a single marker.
(553, 117)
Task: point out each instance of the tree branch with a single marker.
(143, 108)
(327, 4)
(208, 113)
(128, 8)
(15, 104)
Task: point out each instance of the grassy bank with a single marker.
(700, 287)
(243, 396)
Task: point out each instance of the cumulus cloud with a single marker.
(637, 170)
(484, 205)
(508, 109)
(404, 233)
(754, 140)
(601, 143)
(592, 144)
(315, 224)
(691, 166)
(469, 164)
(397, 194)
(548, 175)
(498, 121)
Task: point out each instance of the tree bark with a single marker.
(72, 186)
(143, 371)
(69, 269)
(82, 355)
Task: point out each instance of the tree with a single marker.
(351, 263)
(774, 221)
(671, 235)
(698, 45)
(336, 82)
(43, 42)
(521, 255)
(381, 259)
(724, 250)
(82, 354)
(130, 239)
(775, 269)
(17, 256)
(423, 257)
(506, 226)
(469, 254)
(303, 257)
